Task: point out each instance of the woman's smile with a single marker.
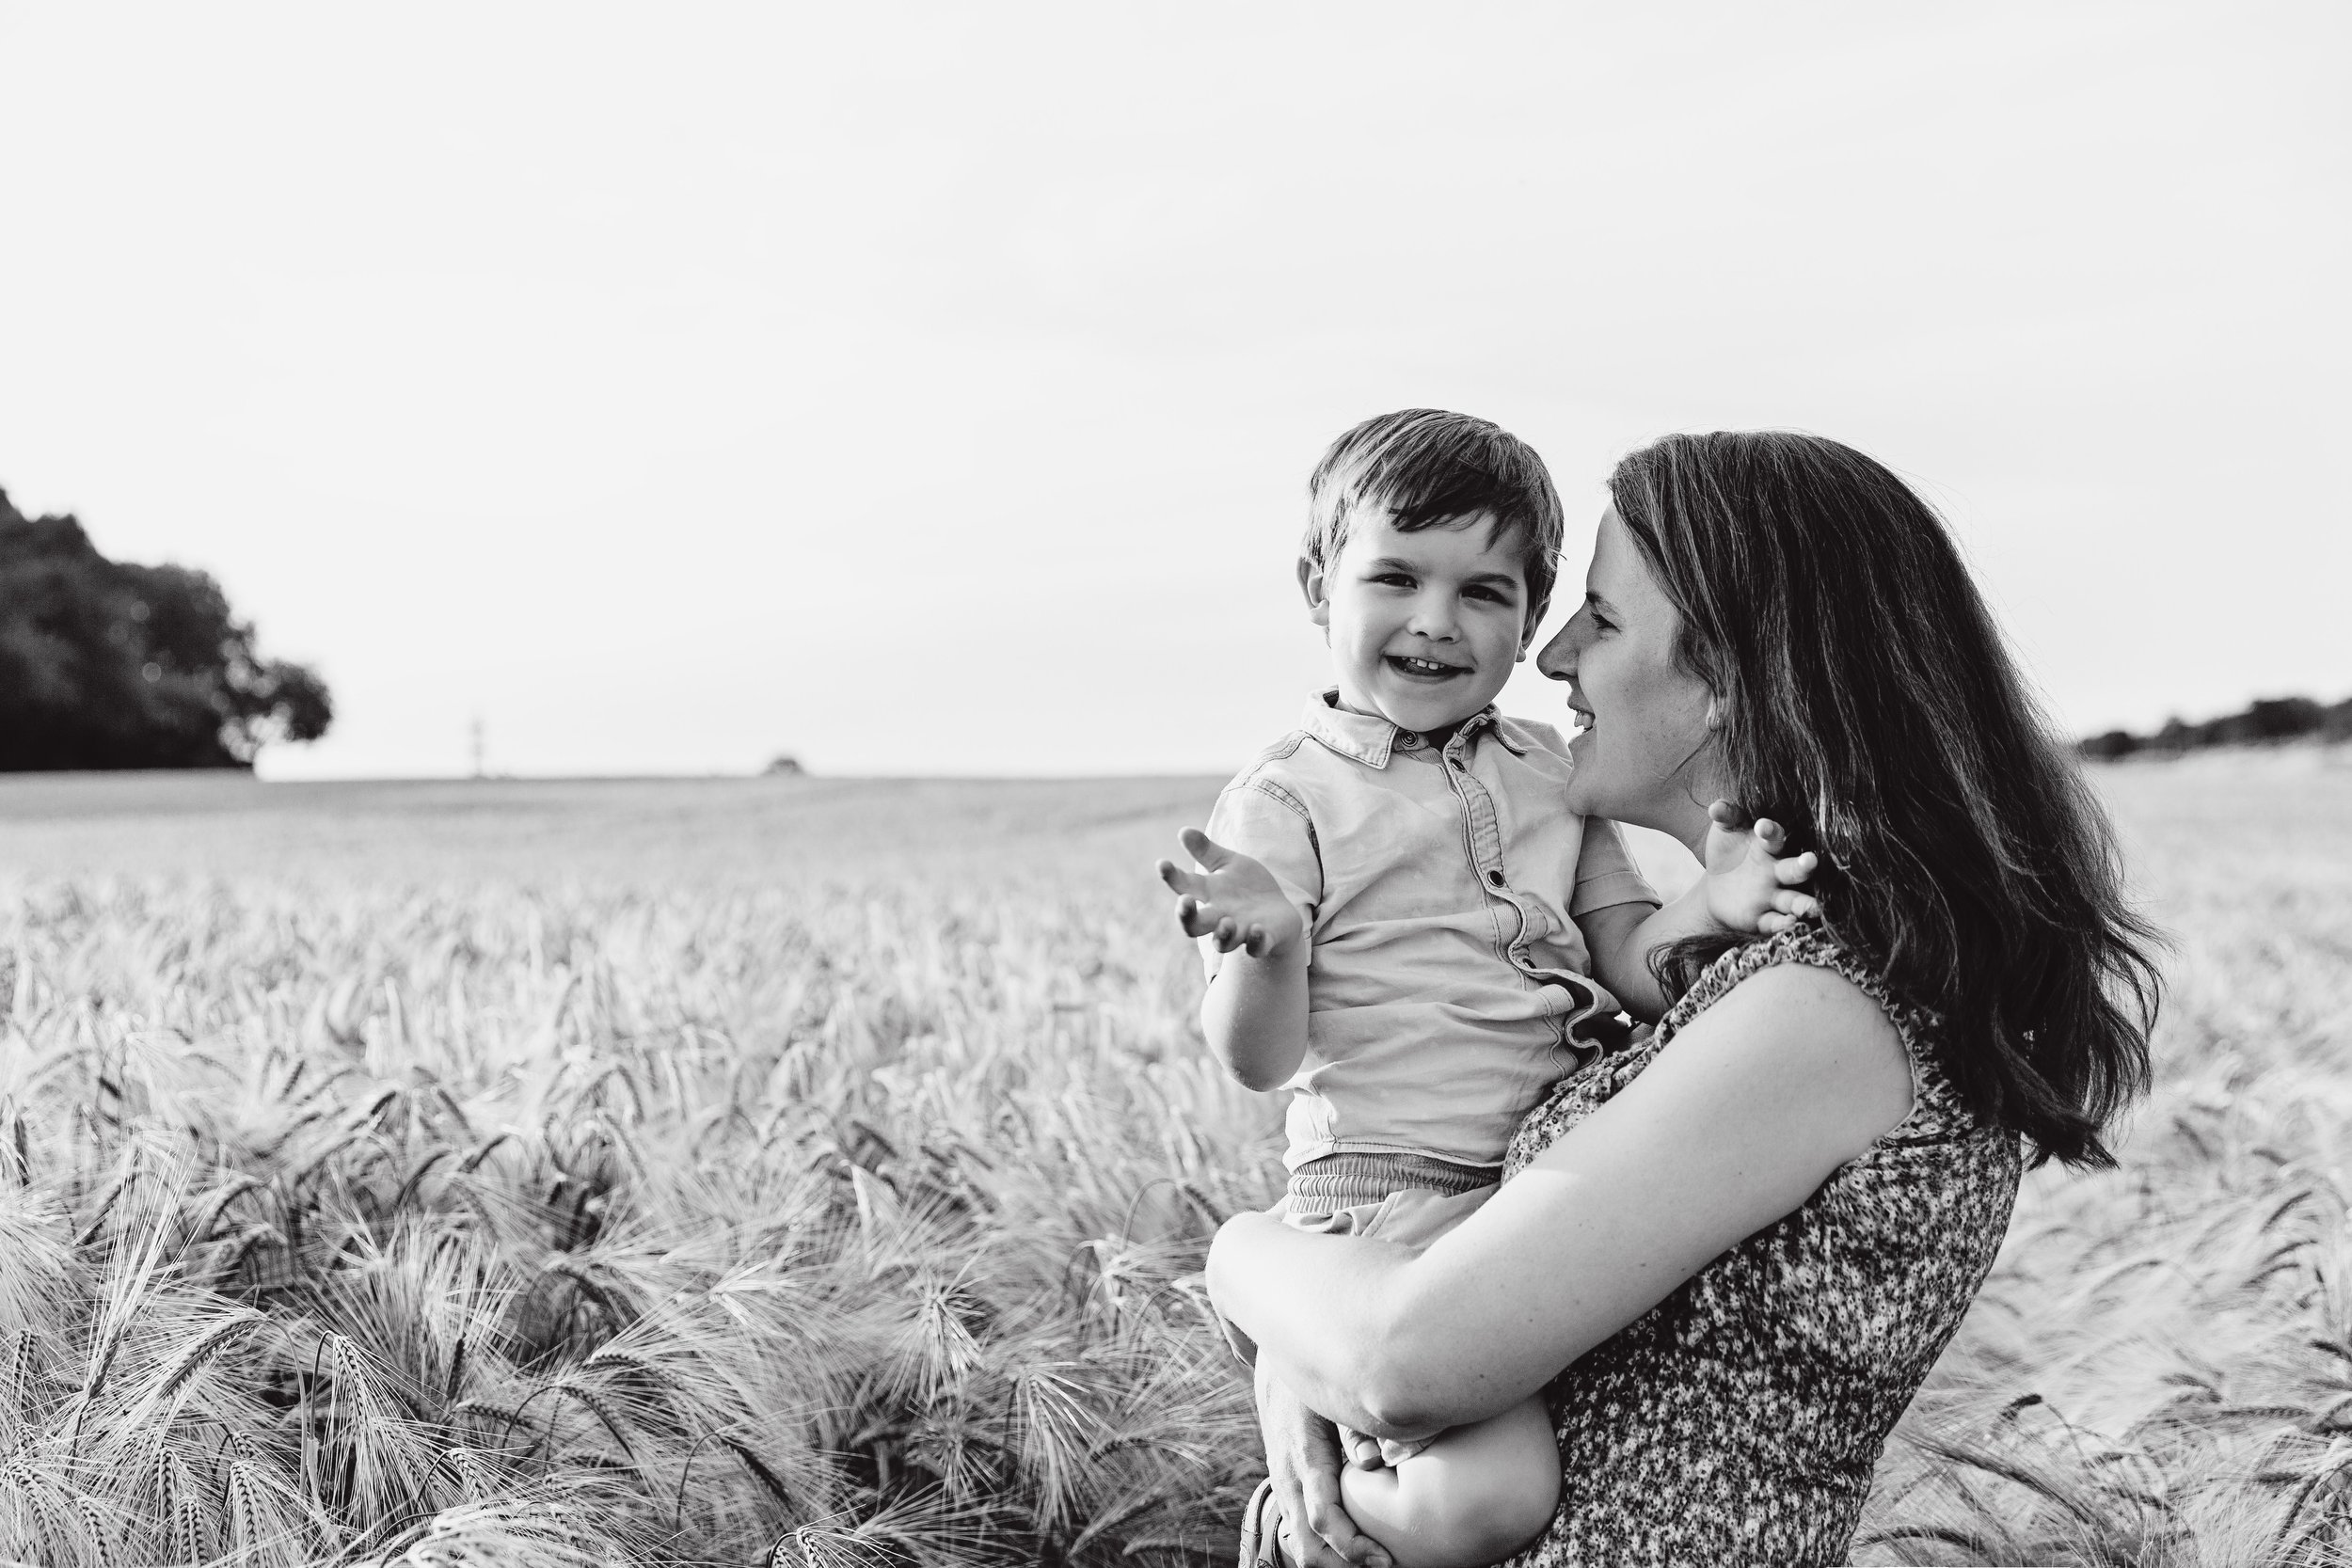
(1618, 653)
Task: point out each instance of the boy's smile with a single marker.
(1425, 625)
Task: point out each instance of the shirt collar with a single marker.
(1370, 739)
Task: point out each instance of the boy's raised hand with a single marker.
(1752, 881)
(1232, 899)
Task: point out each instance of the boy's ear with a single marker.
(1527, 635)
(1311, 584)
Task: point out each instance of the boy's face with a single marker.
(1424, 626)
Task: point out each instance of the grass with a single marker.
(649, 1172)
(2160, 1368)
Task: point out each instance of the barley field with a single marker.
(513, 1173)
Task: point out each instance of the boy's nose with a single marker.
(1434, 620)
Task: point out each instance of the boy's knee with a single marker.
(1504, 1514)
(1483, 1512)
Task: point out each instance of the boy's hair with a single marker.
(1424, 467)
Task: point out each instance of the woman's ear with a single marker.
(1311, 584)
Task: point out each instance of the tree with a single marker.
(2269, 719)
(110, 664)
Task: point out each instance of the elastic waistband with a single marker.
(1339, 1181)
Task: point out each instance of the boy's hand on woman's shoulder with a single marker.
(1232, 899)
(1753, 882)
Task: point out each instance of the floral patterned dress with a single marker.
(1738, 1420)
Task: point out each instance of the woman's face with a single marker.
(1643, 753)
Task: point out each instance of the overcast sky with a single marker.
(932, 388)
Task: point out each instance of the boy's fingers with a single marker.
(1254, 944)
(1798, 904)
(1770, 835)
(1724, 815)
(1768, 923)
(1180, 881)
(1202, 848)
(1796, 869)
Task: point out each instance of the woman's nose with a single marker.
(1558, 659)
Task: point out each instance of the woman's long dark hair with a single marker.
(1868, 703)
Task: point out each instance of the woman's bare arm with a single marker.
(1739, 1121)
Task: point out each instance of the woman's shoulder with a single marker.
(1809, 945)
(1804, 970)
(1810, 959)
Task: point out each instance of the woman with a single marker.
(1733, 1251)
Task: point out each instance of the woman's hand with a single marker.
(1302, 1454)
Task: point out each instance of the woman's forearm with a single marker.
(1402, 1343)
(1348, 1323)
(1318, 1308)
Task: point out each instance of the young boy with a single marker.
(1404, 923)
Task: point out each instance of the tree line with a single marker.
(2266, 719)
(112, 664)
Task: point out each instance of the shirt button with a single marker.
(1406, 740)
(1495, 877)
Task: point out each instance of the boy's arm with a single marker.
(1251, 915)
(1255, 1013)
(1621, 937)
(1750, 884)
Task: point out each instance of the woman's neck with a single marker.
(1683, 817)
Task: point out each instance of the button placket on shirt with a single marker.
(1482, 831)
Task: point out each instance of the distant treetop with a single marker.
(2268, 718)
(110, 664)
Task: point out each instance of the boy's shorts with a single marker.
(1406, 1199)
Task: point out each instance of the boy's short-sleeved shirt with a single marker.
(1447, 984)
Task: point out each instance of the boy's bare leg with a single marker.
(1475, 1496)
